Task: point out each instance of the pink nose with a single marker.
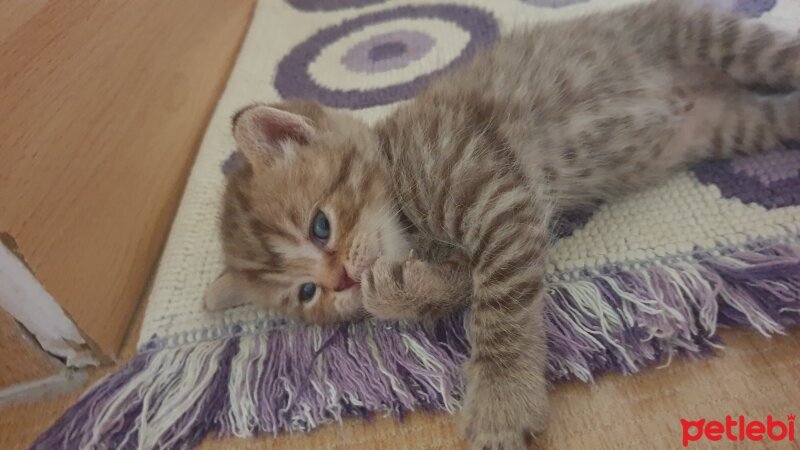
(345, 282)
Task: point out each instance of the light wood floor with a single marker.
(754, 376)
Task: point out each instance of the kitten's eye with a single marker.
(307, 291)
(320, 227)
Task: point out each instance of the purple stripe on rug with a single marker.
(285, 379)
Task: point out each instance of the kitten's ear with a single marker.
(225, 292)
(262, 131)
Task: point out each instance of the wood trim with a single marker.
(103, 106)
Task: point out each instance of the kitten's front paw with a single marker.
(504, 413)
(410, 289)
(382, 287)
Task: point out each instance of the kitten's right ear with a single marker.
(225, 292)
(262, 132)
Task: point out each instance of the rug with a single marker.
(630, 284)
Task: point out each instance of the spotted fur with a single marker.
(469, 173)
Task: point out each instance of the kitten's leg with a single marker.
(506, 401)
(754, 123)
(415, 289)
(740, 123)
(749, 52)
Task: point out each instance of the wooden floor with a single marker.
(754, 377)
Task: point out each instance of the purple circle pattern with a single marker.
(294, 81)
(388, 51)
(754, 8)
(553, 3)
(565, 224)
(747, 8)
(771, 180)
(330, 5)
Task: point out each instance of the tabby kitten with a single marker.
(321, 213)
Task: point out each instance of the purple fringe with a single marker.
(285, 379)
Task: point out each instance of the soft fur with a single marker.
(470, 172)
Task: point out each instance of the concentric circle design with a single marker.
(747, 8)
(553, 3)
(388, 51)
(754, 8)
(570, 221)
(330, 5)
(379, 58)
(771, 180)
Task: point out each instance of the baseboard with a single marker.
(60, 384)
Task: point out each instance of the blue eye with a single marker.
(320, 227)
(307, 291)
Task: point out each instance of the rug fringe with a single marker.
(623, 320)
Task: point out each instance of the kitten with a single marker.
(320, 217)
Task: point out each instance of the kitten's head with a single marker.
(306, 210)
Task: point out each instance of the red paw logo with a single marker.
(740, 429)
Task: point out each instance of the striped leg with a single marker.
(506, 401)
(751, 53)
(740, 125)
(754, 123)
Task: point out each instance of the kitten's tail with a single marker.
(690, 33)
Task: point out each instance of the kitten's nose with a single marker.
(345, 281)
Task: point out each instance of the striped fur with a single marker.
(470, 172)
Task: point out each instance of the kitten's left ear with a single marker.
(262, 131)
(225, 292)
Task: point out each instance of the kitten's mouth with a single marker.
(345, 282)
